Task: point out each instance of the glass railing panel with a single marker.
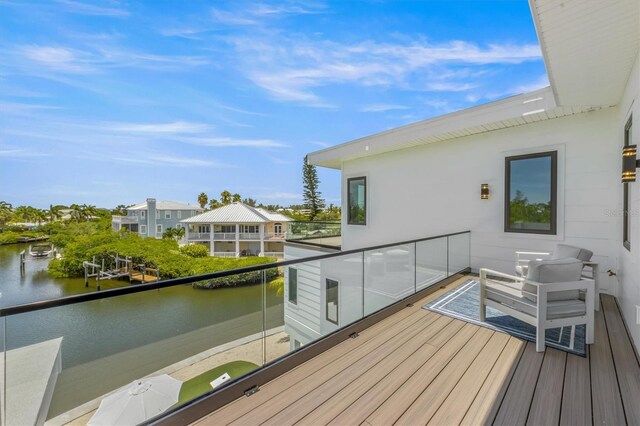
(459, 253)
(313, 229)
(320, 297)
(431, 262)
(3, 363)
(62, 362)
(389, 275)
(276, 341)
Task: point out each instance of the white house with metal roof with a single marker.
(151, 218)
(237, 229)
(557, 150)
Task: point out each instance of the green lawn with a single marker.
(195, 387)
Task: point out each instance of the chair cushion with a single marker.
(553, 271)
(564, 251)
(555, 309)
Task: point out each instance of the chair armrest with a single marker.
(582, 284)
(484, 272)
(534, 253)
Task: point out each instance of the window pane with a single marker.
(332, 301)
(357, 201)
(293, 285)
(531, 191)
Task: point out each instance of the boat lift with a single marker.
(123, 268)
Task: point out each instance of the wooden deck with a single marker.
(418, 367)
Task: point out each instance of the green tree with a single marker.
(119, 210)
(24, 213)
(236, 198)
(54, 212)
(40, 216)
(250, 202)
(173, 233)
(225, 197)
(6, 212)
(203, 200)
(312, 200)
(214, 204)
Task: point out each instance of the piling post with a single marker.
(86, 274)
(22, 262)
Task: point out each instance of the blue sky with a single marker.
(112, 102)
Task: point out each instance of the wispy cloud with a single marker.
(20, 153)
(171, 161)
(176, 127)
(93, 59)
(292, 69)
(232, 142)
(92, 9)
(256, 13)
(382, 107)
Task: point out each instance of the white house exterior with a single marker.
(238, 229)
(436, 167)
(151, 218)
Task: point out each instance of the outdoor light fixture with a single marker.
(484, 191)
(629, 163)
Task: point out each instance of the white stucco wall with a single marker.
(435, 189)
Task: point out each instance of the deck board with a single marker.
(547, 398)
(625, 361)
(576, 395)
(418, 367)
(466, 389)
(514, 408)
(484, 407)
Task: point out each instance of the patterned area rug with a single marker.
(463, 302)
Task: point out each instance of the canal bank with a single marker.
(135, 334)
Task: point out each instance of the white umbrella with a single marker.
(137, 402)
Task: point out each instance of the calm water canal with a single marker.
(110, 342)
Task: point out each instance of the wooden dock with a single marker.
(143, 277)
(32, 239)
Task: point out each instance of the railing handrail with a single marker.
(106, 294)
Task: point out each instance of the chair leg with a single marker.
(483, 311)
(572, 339)
(540, 335)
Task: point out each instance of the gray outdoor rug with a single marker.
(463, 302)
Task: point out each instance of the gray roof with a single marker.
(167, 205)
(237, 213)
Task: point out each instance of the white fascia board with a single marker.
(401, 137)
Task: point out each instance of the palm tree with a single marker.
(236, 198)
(77, 213)
(213, 203)
(6, 212)
(225, 197)
(39, 216)
(202, 200)
(54, 212)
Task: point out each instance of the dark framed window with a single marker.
(293, 286)
(357, 201)
(332, 300)
(531, 183)
(626, 217)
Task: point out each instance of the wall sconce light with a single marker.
(484, 191)
(629, 163)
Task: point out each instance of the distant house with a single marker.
(237, 229)
(152, 218)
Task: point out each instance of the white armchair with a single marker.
(547, 298)
(562, 251)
